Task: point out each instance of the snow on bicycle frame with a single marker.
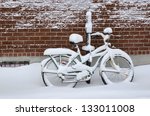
(114, 64)
(103, 53)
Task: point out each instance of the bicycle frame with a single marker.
(80, 60)
(78, 66)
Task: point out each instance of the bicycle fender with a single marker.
(43, 62)
(58, 51)
(117, 52)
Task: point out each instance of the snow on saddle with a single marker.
(75, 38)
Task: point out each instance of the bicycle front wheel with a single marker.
(123, 73)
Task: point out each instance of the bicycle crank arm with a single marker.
(50, 71)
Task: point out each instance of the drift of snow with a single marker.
(26, 82)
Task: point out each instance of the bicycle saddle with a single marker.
(75, 38)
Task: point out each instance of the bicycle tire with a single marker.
(52, 79)
(125, 64)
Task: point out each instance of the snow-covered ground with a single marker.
(26, 82)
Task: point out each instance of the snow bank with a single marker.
(26, 82)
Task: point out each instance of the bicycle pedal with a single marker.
(88, 82)
(75, 84)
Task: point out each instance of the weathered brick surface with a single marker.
(131, 35)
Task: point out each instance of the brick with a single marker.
(55, 30)
(52, 38)
(147, 44)
(40, 50)
(34, 30)
(6, 34)
(28, 34)
(28, 42)
(144, 40)
(50, 34)
(23, 38)
(47, 38)
(18, 34)
(133, 36)
(2, 29)
(40, 42)
(117, 29)
(6, 42)
(60, 34)
(147, 37)
(123, 41)
(19, 50)
(12, 38)
(50, 42)
(23, 30)
(133, 40)
(30, 50)
(2, 38)
(134, 32)
(139, 36)
(40, 34)
(143, 48)
(45, 30)
(34, 38)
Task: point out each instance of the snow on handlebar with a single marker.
(106, 31)
(105, 36)
(97, 33)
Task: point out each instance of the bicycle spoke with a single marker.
(51, 74)
(45, 70)
(119, 71)
(109, 70)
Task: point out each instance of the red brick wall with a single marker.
(130, 34)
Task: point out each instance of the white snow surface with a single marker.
(25, 82)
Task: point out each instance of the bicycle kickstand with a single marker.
(75, 84)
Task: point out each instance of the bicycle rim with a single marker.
(125, 73)
(55, 79)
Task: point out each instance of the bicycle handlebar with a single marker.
(94, 34)
(105, 36)
(98, 34)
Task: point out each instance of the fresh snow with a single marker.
(108, 30)
(26, 82)
(60, 13)
(49, 13)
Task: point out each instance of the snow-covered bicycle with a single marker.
(65, 66)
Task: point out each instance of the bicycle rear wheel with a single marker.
(110, 74)
(49, 71)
